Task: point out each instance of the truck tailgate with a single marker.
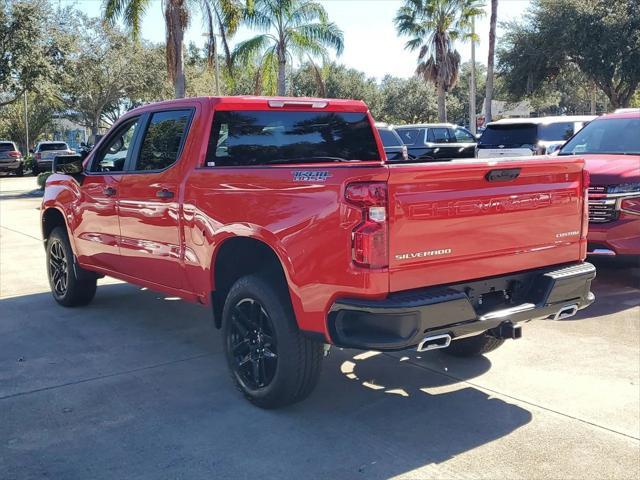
(465, 220)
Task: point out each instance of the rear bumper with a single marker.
(10, 166)
(403, 319)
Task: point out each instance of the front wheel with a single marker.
(272, 364)
(71, 286)
(473, 346)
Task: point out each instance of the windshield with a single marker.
(389, 138)
(614, 135)
(509, 135)
(45, 147)
(276, 137)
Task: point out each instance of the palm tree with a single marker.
(299, 27)
(223, 14)
(433, 26)
(490, 60)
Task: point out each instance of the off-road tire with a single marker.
(473, 346)
(299, 359)
(80, 285)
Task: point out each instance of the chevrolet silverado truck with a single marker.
(282, 216)
(610, 146)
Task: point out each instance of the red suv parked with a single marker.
(282, 216)
(611, 148)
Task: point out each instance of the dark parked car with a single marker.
(523, 137)
(11, 158)
(437, 142)
(394, 148)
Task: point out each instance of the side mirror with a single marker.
(31, 150)
(68, 164)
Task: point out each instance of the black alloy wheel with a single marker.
(252, 344)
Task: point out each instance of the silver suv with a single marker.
(44, 154)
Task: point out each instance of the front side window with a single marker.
(463, 136)
(112, 156)
(614, 135)
(409, 136)
(245, 138)
(163, 140)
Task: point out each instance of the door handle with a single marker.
(109, 191)
(164, 193)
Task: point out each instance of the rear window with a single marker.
(615, 135)
(241, 138)
(509, 135)
(389, 138)
(6, 146)
(46, 147)
(409, 136)
(556, 131)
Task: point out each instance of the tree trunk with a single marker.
(442, 104)
(490, 61)
(175, 42)
(95, 126)
(282, 67)
(180, 79)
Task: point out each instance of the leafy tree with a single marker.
(459, 95)
(223, 14)
(490, 60)
(30, 55)
(40, 111)
(335, 81)
(406, 100)
(109, 74)
(433, 26)
(291, 27)
(599, 37)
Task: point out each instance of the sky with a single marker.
(370, 41)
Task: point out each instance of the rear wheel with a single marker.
(272, 364)
(35, 170)
(71, 285)
(20, 171)
(473, 346)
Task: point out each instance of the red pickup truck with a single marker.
(610, 146)
(282, 216)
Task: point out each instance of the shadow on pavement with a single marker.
(134, 385)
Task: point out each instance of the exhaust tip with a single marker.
(434, 343)
(566, 312)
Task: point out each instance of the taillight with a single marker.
(630, 205)
(586, 181)
(369, 239)
(15, 154)
(38, 156)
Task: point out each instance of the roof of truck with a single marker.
(249, 102)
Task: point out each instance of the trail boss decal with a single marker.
(310, 176)
(427, 253)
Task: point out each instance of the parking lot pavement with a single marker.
(135, 386)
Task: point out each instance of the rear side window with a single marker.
(47, 147)
(438, 135)
(410, 136)
(389, 138)
(163, 140)
(556, 131)
(6, 146)
(510, 135)
(245, 138)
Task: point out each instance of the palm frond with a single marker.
(251, 48)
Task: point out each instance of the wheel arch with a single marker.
(237, 256)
